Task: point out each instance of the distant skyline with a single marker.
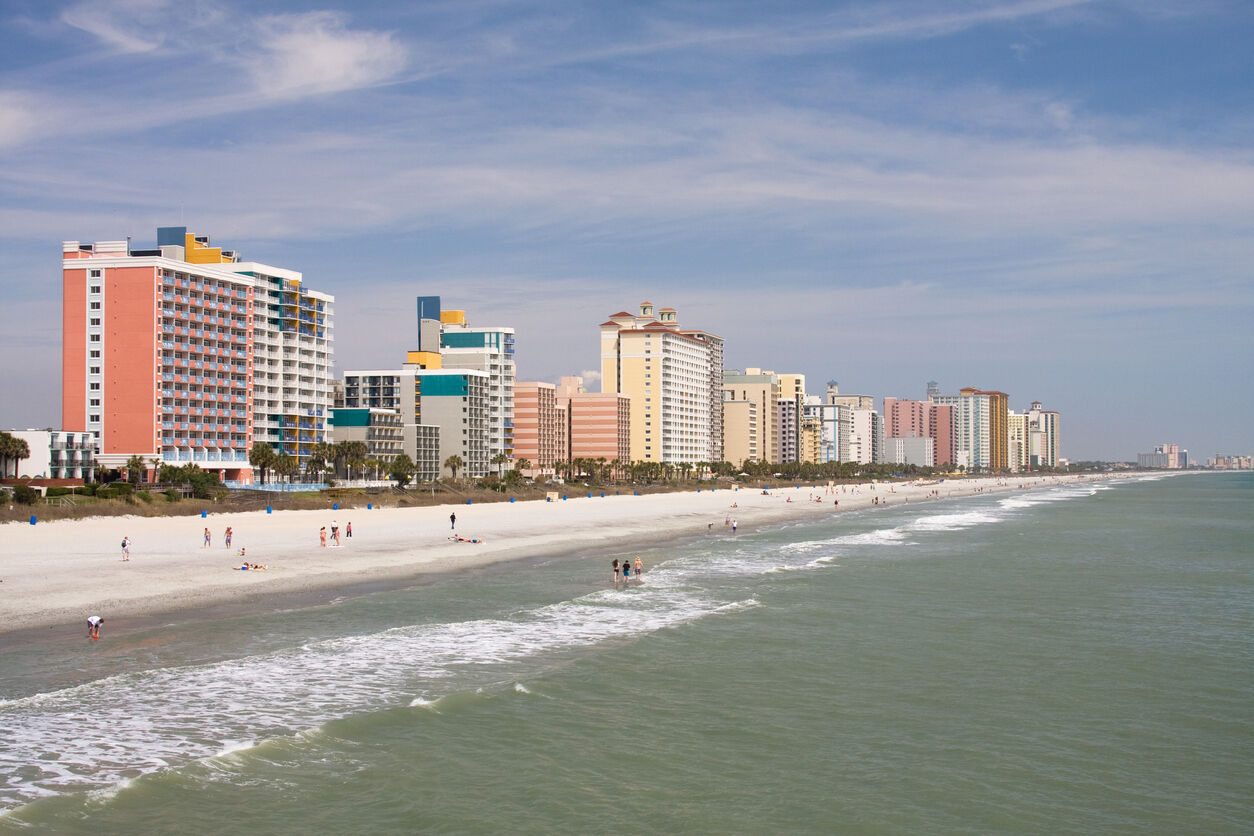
(1051, 198)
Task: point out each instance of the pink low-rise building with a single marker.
(562, 423)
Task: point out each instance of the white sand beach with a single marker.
(60, 572)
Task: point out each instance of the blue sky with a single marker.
(1054, 198)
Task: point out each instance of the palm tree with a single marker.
(522, 465)
(262, 457)
(402, 468)
(453, 463)
(286, 465)
(12, 449)
(156, 468)
(134, 469)
(499, 460)
(350, 454)
(319, 453)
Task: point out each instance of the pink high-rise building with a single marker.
(162, 357)
(922, 419)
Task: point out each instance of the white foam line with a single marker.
(109, 730)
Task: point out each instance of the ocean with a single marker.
(1069, 660)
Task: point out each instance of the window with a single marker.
(94, 418)
(95, 387)
(95, 274)
(95, 338)
(94, 402)
(95, 306)
(95, 370)
(95, 288)
(94, 353)
(95, 321)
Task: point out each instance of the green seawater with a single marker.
(1067, 660)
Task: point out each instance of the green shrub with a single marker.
(25, 495)
(146, 496)
(55, 491)
(172, 495)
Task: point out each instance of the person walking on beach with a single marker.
(93, 626)
(226, 536)
(208, 539)
(126, 548)
(452, 521)
(322, 537)
(348, 530)
(335, 532)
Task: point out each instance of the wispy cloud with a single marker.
(317, 52)
(123, 25)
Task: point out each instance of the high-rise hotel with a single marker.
(184, 353)
(674, 378)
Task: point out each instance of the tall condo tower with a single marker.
(184, 353)
(674, 379)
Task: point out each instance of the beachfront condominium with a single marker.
(184, 353)
(1042, 437)
(443, 412)
(538, 440)
(972, 433)
(568, 424)
(864, 427)
(750, 425)
(831, 423)
(762, 415)
(446, 334)
(379, 429)
(673, 378)
(905, 419)
(55, 454)
(596, 426)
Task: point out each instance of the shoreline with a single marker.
(57, 573)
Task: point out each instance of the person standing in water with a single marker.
(639, 568)
(616, 572)
(93, 626)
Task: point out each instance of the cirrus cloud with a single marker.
(313, 53)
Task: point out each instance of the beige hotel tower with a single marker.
(674, 378)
